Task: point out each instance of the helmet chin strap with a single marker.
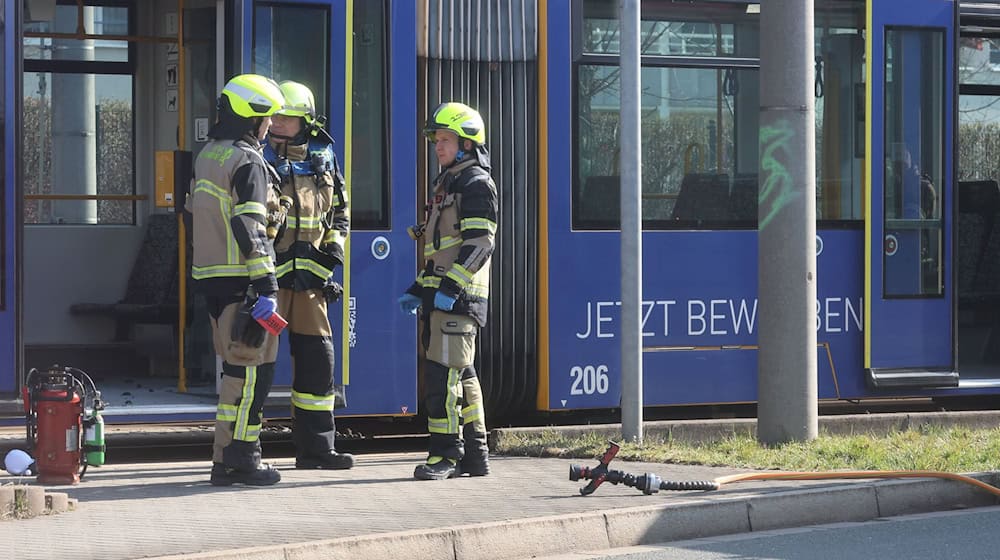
(461, 153)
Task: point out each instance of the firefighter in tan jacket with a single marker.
(453, 291)
(309, 248)
(233, 265)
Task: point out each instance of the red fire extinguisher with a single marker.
(59, 403)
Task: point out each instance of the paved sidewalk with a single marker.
(528, 506)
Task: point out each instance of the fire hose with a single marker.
(649, 483)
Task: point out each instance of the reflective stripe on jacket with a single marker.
(229, 200)
(459, 240)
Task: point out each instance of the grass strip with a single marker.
(955, 449)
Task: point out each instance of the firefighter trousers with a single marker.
(313, 390)
(453, 399)
(247, 375)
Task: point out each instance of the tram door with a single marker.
(340, 49)
(909, 338)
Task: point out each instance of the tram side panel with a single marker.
(699, 287)
(700, 318)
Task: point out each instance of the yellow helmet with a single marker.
(299, 101)
(252, 95)
(458, 118)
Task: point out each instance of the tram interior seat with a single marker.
(151, 293)
(743, 198)
(703, 197)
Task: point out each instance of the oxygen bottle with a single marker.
(93, 438)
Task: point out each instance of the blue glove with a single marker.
(408, 304)
(264, 307)
(443, 301)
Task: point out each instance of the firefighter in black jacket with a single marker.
(233, 265)
(308, 249)
(453, 292)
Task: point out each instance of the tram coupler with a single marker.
(647, 483)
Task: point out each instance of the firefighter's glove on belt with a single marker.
(264, 307)
(408, 304)
(443, 301)
(245, 329)
(332, 290)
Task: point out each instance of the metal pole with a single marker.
(786, 383)
(181, 230)
(631, 221)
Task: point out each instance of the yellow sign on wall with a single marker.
(164, 179)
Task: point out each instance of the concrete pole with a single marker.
(631, 221)
(74, 125)
(786, 383)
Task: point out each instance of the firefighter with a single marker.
(452, 291)
(233, 266)
(309, 248)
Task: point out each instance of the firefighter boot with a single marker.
(264, 475)
(476, 461)
(330, 460)
(241, 465)
(437, 468)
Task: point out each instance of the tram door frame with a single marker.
(10, 231)
(977, 359)
(909, 334)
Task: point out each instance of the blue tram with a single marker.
(104, 101)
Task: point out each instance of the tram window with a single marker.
(695, 29)
(978, 111)
(699, 147)
(97, 20)
(979, 60)
(285, 47)
(840, 122)
(292, 43)
(73, 86)
(700, 116)
(914, 160)
(55, 161)
(369, 184)
(979, 137)
(699, 123)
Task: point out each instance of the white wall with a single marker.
(74, 264)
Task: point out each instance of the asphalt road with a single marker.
(959, 535)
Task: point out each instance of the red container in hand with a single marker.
(273, 324)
